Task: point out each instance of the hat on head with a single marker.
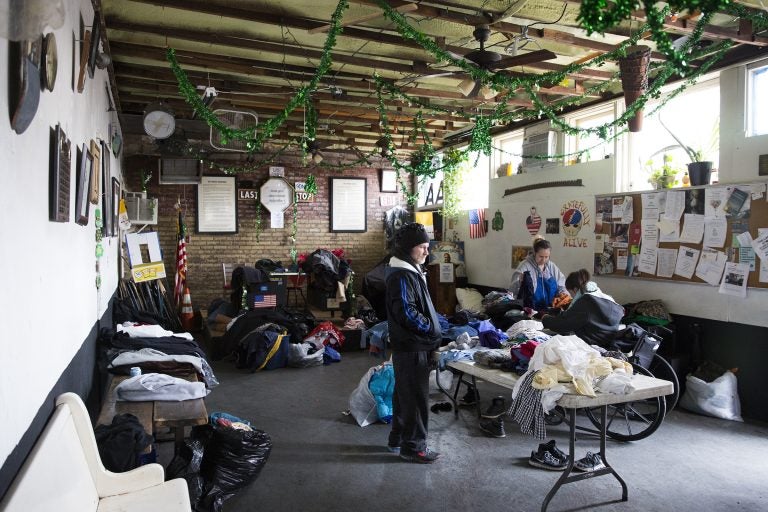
(409, 236)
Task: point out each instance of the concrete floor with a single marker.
(322, 461)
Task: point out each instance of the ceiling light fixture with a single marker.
(465, 86)
(487, 93)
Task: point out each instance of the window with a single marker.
(595, 148)
(507, 154)
(757, 101)
(694, 118)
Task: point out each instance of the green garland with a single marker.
(453, 177)
(258, 220)
(595, 16)
(294, 253)
(310, 185)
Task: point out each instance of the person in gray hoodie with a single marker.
(414, 333)
(547, 280)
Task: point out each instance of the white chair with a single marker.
(64, 473)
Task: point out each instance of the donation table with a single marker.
(644, 387)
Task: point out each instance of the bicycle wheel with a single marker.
(632, 421)
(661, 369)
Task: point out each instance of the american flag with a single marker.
(477, 223)
(264, 301)
(181, 262)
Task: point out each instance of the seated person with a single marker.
(537, 280)
(592, 316)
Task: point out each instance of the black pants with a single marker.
(410, 402)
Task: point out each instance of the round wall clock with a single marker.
(159, 121)
(49, 65)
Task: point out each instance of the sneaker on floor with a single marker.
(554, 450)
(425, 457)
(393, 449)
(493, 427)
(590, 462)
(497, 408)
(470, 397)
(545, 460)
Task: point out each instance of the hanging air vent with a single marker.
(141, 209)
(237, 120)
(180, 171)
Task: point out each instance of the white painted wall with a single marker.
(48, 294)
(488, 259)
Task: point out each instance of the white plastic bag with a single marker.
(362, 405)
(446, 380)
(719, 398)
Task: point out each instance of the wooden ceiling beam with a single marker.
(243, 42)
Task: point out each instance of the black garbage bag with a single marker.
(186, 464)
(233, 459)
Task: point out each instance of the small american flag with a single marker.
(477, 223)
(264, 301)
(181, 262)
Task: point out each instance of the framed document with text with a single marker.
(348, 205)
(217, 204)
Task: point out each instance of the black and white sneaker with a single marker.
(556, 452)
(493, 427)
(497, 408)
(590, 462)
(545, 460)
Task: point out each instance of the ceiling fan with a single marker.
(490, 61)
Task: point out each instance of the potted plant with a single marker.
(664, 177)
(699, 169)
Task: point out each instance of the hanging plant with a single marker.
(310, 185)
(454, 169)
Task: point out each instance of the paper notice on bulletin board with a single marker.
(446, 272)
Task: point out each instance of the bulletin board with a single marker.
(620, 233)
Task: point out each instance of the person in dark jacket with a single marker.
(414, 333)
(593, 315)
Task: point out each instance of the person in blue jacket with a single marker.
(414, 333)
(546, 279)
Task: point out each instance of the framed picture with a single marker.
(60, 175)
(84, 166)
(114, 214)
(388, 180)
(106, 192)
(93, 191)
(348, 205)
(93, 46)
(217, 204)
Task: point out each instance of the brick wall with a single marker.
(206, 252)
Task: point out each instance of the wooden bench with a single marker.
(64, 473)
(157, 414)
(644, 387)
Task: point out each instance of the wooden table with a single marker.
(155, 414)
(645, 387)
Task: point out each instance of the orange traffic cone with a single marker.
(187, 316)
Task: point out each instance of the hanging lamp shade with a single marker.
(634, 80)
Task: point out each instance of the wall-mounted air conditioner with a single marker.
(538, 140)
(141, 209)
(180, 171)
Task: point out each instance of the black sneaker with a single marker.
(590, 462)
(497, 408)
(554, 450)
(493, 427)
(470, 397)
(393, 449)
(545, 460)
(425, 457)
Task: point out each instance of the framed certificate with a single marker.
(388, 180)
(217, 204)
(348, 205)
